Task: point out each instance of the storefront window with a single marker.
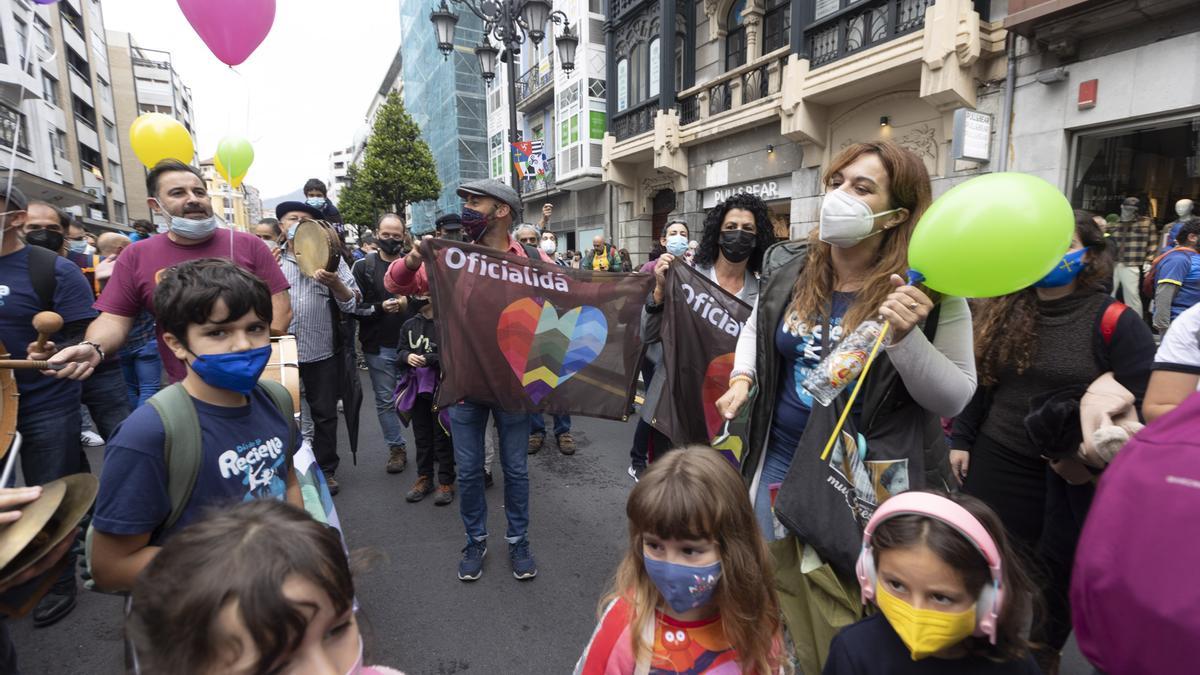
(1157, 163)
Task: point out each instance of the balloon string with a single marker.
(862, 377)
(12, 157)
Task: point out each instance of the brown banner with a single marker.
(701, 324)
(528, 335)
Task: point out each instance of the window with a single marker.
(144, 108)
(13, 130)
(71, 17)
(77, 63)
(114, 172)
(105, 91)
(119, 214)
(777, 25)
(22, 42)
(84, 112)
(735, 36)
(622, 84)
(50, 89)
(110, 131)
(43, 30)
(596, 6)
(90, 159)
(655, 65)
(58, 148)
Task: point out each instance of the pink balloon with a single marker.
(45, 2)
(232, 29)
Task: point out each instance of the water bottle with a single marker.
(845, 363)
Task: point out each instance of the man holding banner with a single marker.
(519, 335)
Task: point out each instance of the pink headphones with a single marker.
(991, 598)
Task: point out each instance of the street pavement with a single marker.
(417, 616)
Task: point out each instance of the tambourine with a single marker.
(316, 247)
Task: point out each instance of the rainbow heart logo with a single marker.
(545, 349)
(716, 383)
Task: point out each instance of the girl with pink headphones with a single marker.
(952, 597)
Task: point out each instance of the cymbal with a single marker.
(57, 513)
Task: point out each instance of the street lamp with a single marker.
(509, 23)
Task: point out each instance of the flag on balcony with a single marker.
(700, 328)
(530, 336)
(537, 159)
(522, 150)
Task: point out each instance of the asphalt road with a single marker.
(417, 616)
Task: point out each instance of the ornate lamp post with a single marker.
(507, 23)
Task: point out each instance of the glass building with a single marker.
(446, 99)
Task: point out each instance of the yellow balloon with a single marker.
(155, 137)
(235, 182)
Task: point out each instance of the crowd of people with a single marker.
(984, 429)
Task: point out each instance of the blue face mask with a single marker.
(77, 245)
(684, 587)
(235, 371)
(291, 234)
(316, 202)
(677, 244)
(1066, 271)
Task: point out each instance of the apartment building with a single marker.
(144, 81)
(562, 114)
(59, 129)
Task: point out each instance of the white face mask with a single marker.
(549, 247)
(847, 220)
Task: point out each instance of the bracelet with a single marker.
(741, 378)
(93, 345)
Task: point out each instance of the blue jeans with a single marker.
(106, 398)
(468, 423)
(382, 368)
(537, 425)
(143, 373)
(775, 468)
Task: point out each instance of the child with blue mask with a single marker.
(215, 317)
(694, 592)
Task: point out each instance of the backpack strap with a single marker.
(283, 400)
(181, 448)
(41, 274)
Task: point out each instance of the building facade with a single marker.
(230, 205)
(1107, 101)
(144, 81)
(339, 164)
(445, 97)
(58, 125)
(562, 115)
(393, 81)
(758, 95)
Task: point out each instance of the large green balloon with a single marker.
(233, 159)
(992, 235)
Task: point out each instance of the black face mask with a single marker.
(737, 245)
(46, 239)
(391, 246)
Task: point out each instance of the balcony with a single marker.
(739, 89)
(860, 26)
(636, 120)
(535, 87)
(536, 185)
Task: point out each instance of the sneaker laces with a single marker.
(474, 550)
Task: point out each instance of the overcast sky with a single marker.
(301, 95)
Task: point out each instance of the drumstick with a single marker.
(46, 324)
(22, 364)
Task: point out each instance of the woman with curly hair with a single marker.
(736, 233)
(813, 293)
(1046, 342)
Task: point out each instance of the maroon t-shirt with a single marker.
(135, 276)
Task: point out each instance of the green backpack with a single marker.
(182, 449)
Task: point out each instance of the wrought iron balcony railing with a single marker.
(859, 24)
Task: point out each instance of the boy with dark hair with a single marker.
(215, 317)
(317, 196)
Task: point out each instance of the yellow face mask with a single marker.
(924, 631)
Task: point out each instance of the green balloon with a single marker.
(992, 235)
(234, 157)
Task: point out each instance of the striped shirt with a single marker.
(312, 320)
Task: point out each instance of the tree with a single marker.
(398, 167)
(357, 205)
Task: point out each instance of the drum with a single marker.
(316, 246)
(284, 367)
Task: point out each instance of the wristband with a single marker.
(741, 378)
(93, 345)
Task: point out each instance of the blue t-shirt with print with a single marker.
(19, 302)
(802, 345)
(1181, 268)
(244, 458)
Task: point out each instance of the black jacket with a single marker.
(379, 328)
(418, 336)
